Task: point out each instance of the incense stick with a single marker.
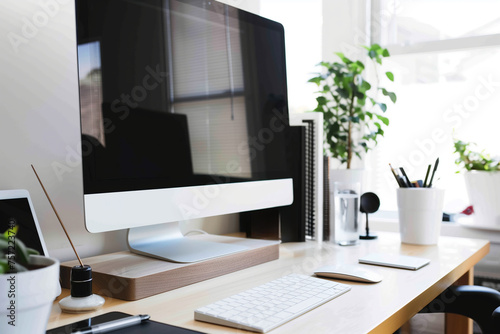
(57, 215)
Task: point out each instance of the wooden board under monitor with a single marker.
(129, 276)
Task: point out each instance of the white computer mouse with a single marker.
(351, 272)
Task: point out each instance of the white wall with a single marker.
(39, 121)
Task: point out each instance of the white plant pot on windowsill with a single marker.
(483, 188)
(348, 176)
(27, 297)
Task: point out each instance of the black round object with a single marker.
(81, 281)
(369, 203)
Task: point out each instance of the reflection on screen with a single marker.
(219, 72)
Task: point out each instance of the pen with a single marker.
(113, 325)
(433, 172)
(406, 178)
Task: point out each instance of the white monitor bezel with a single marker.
(121, 210)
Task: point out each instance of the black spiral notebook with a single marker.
(147, 327)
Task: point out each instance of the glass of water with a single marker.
(345, 213)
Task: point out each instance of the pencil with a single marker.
(396, 177)
(427, 175)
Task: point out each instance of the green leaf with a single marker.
(4, 266)
(366, 85)
(336, 127)
(32, 251)
(321, 100)
(391, 95)
(22, 255)
(382, 106)
(343, 58)
(342, 150)
(360, 65)
(390, 75)
(325, 64)
(316, 80)
(361, 96)
(10, 232)
(343, 92)
(384, 120)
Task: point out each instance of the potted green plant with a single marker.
(29, 283)
(482, 181)
(353, 111)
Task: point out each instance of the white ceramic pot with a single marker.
(483, 189)
(27, 297)
(347, 176)
(420, 212)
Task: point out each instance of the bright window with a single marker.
(302, 22)
(446, 59)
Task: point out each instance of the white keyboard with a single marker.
(270, 305)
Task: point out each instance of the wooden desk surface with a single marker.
(367, 308)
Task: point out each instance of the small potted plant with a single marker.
(482, 181)
(29, 283)
(353, 112)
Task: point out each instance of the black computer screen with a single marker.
(179, 93)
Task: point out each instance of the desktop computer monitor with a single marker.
(183, 115)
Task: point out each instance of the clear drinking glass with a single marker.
(345, 213)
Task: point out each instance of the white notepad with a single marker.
(395, 260)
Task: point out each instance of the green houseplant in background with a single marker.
(482, 181)
(471, 158)
(353, 114)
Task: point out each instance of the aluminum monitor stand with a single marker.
(166, 242)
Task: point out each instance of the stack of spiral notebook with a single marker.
(312, 178)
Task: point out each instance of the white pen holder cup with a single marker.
(420, 215)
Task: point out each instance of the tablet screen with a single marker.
(17, 211)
